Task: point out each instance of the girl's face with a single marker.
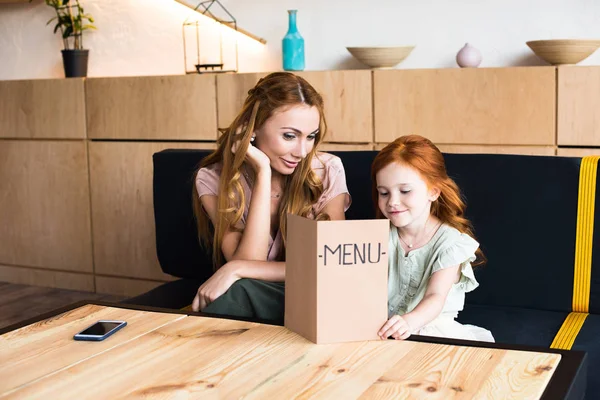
(288, 136)
(404, 197)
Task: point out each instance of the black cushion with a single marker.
(587, 340)
(179, 252)
(524, 210)
(514, 325)
(175, 295)
(595, 283)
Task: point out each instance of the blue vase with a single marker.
(293, 46)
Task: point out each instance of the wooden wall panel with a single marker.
(490, 149)
(122, 207)
(575, 152)
(232, 90)
(44, 205)
(347, 96)
(525, 150)
(157, 107)
(41, 277)
(502, 106)
(123, 286)
(345, 147)
(578, 104)
(42, 109)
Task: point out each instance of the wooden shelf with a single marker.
(227, 24)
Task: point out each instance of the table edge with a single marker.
(568, 381)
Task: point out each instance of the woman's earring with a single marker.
(252, 138)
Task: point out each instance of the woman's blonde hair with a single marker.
(275, 92)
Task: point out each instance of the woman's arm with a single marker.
(229, 273)
(253, 242)
(335, 207)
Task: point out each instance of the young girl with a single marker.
(431, 245)
(266, 165)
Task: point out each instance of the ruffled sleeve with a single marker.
(460, 251)
(333, 177)
(207, 181)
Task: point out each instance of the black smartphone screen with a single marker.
(100, 328)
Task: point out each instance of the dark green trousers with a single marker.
(251, 298)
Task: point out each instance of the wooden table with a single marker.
(183, 355)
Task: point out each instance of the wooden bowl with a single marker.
(380, 57)
(563, 51)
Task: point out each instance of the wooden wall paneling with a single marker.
(578, 104)
(502, 106)
(123, 286)
(576, 152)
(345, 147)
(524, 150)
(348, 98)
(490, 149)
(122, 207)
(44, 205)
(42, 109)
(41, 277)
(152, 108)
(232, 90)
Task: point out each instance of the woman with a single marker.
(266, 166)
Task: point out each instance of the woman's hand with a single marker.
(215, 286)
(257, 159)
(396, 327)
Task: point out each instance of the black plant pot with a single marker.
(75, 63)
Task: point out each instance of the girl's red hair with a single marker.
(422, 155)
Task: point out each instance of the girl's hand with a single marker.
(396, 327)
(257, 159)
(215, 286)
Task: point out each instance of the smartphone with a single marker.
(100, 330)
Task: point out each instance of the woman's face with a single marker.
(288, 136)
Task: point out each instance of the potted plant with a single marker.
(72, 21)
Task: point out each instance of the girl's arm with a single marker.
(430, 307)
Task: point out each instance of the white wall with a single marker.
(144, 37)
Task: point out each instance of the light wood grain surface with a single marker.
(576, 152)
(344, 147)
(577, 105)
(46, 277)
(42, 109)
(501, 106)
(214, 358)
(161, 107)
(46, 347)
(44, 205)
(347, 96)
(232, 90)
(490, 149)
(122, 207)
